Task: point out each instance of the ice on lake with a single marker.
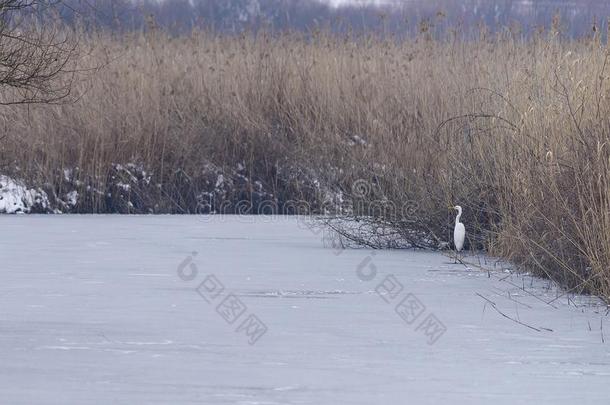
(244, 310)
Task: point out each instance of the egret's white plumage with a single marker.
(459, 232)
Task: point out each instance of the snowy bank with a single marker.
(16, 198)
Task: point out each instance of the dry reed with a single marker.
(515, 130)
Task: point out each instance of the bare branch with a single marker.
(35, 55)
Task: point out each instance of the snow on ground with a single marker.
(16, 198)
(105, 309)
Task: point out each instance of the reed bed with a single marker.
(515, 130)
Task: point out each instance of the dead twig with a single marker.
(493, 305)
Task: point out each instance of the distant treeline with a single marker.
(436, 17)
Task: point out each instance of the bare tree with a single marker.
(35, 53)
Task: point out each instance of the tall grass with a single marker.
(517, 131)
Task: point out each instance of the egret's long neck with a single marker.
(457, 219)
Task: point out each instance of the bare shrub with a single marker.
(34, 56)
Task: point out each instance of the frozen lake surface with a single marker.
(112, 309)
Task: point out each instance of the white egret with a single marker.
(459, 232)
